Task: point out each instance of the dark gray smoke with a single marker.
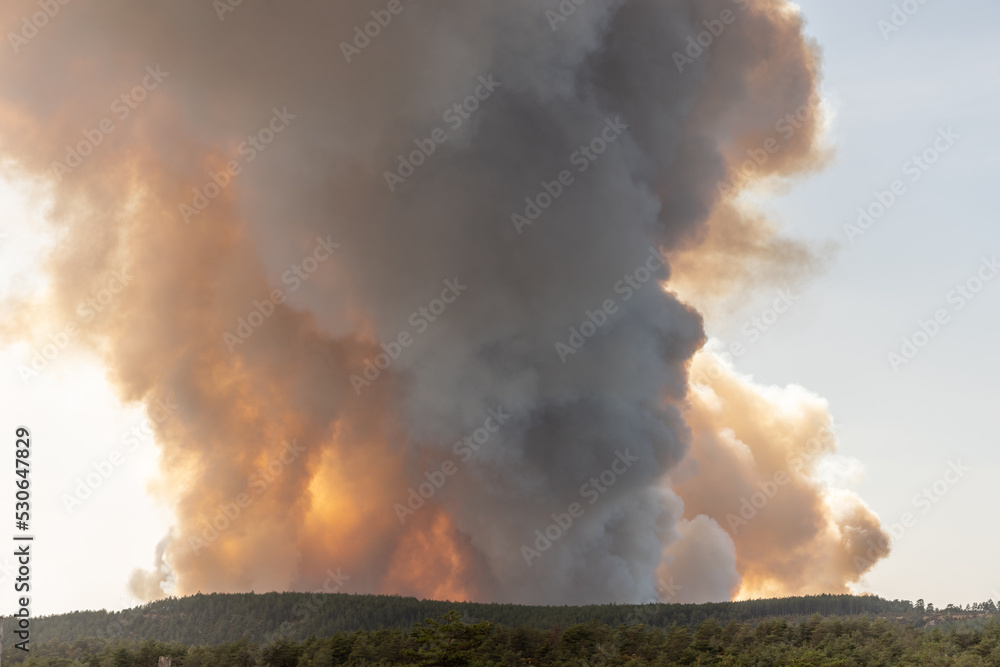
(615, 120)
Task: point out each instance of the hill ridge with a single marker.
(215, 618)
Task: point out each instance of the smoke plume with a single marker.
(401, 271)
(754, 476)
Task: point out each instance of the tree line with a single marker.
(292, 629)
(451, 642)
(217, 618)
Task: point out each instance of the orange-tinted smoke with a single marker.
(276, 470)
(753, 473)
(739, 251)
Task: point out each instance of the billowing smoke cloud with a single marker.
(755, 473)
(704, 559)
(402, 285)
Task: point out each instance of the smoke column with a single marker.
(755, 494)
(295, 442)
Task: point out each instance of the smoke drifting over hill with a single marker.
(402, 271)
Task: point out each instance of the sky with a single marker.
(902, 429)
(906, 425)
(83, 553)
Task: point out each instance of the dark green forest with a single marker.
(303, 630)
(217, 618)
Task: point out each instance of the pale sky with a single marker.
(82, 558)
(905, 426)
(940, 70)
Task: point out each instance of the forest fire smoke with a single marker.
(752, 492)
(134, 202)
